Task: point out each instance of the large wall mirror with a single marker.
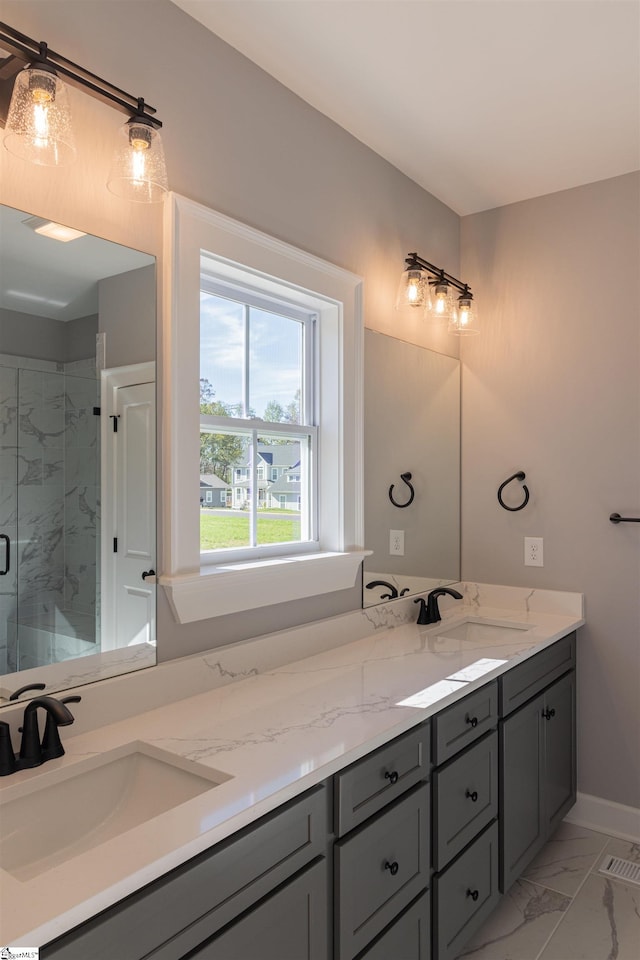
(77, 456)
(412, 469)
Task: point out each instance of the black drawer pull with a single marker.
(547, 714)
(474, 894)
(392, 867)
(148, 573)
(472, 796)
(391, 777)
(472, 720)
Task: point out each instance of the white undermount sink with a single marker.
(48, 820)
(484, 631)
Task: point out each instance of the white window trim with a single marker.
(195, 592)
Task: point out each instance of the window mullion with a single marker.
(253, 499)
(245, 373)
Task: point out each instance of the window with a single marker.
(258, 285)
(257, 407)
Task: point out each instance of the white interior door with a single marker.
(130, 520)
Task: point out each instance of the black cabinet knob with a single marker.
(391, 776)
(473, 796)
(148, 573)
(472, 720)
(547, 714)
(392, 867)
(474, 894)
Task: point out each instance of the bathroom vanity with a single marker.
(388, 795)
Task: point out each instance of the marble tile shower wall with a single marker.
(49, 505)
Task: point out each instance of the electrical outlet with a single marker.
(396, 543)
(533, 553)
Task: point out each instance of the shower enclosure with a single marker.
(49, 511)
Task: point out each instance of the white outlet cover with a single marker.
(533, 552)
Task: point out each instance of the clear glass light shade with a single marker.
(443, 302)
(138, 170)
(413, 290)
(38, 124)
(464, 318)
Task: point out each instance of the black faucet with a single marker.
(429, 612)
(392, 595)
(32, 752)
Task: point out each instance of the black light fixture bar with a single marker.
(26, 50)
(413, 261)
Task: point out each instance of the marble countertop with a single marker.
(274, 735)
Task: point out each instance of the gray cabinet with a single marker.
(382, 776)
(464, 722)
(182, 911)
(538, 774)
(379, 869)
(465, 799)
(291, 924)
(465, 894)
(407, 938)
(465, 808)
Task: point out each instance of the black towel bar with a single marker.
(616, 518)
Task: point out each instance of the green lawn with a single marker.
(233, 531)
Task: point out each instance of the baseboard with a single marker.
(605, 816)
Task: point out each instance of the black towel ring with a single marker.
(406, 477)
(520, 475)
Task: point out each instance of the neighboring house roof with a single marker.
(283, 485)
(279, 454)
(211, 480)
(274, 455)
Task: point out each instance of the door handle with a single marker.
(149, 575)
(7, 554)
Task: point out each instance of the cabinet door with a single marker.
(408, 937)
(379, 869)
(291, 924)
(559, 720)
(464, 895)
(522, 826)
(465, 799)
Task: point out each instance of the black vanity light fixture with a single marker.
(35, 112)
(430, 289)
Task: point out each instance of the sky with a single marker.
(275, 353)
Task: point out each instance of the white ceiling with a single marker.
(47, 278)
(481, 102)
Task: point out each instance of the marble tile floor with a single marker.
(563, 909)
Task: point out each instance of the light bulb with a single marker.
(442, 299)
(464, 318)
(138, 171)
(413, 290)
(39, 120)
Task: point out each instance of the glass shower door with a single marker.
(8, 515)
(49, 515)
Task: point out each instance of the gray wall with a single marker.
(250, 149)
(552, 388)
(26, 335)
(127, 314)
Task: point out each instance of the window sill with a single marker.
(230, 588)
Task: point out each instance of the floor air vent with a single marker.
(621, 869)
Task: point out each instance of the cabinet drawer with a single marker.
(382, 776)
(179, 912)
(523, 682)
(379, 870)
(465, 799)
(408, 937)
(465, 894)
(291, 924)
(465, 721)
